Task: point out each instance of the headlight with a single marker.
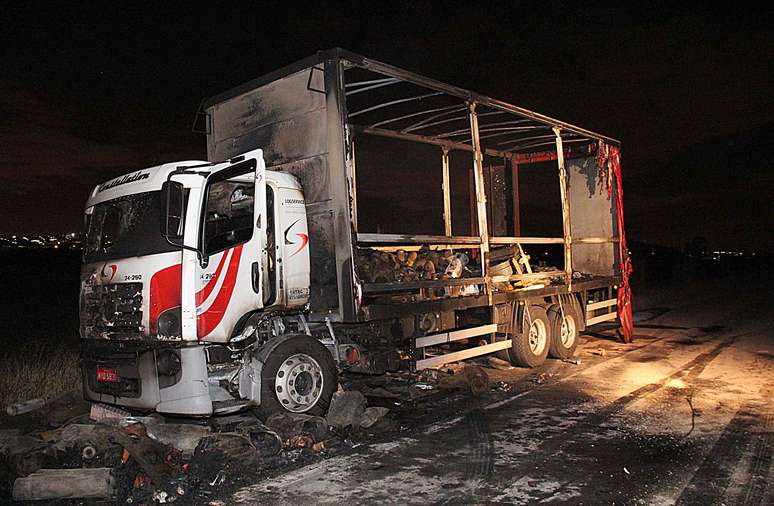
(169, 323)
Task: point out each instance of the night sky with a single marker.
(89, 94)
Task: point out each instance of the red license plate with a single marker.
(107, 375)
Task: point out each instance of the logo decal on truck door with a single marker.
(304, 239)
(109, 275)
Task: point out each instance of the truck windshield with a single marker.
(125, 227)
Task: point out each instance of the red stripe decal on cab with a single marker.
(202, 294)
(164, 294)
(208, 320)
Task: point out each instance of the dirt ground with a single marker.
(682, 416)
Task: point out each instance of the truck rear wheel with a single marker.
(530, 347)
(506, 354)
(299, 376)
(564, 331)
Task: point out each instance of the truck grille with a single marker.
(112, 311)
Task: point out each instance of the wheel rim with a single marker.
(567, 331)
(299, 383)
(537, 337)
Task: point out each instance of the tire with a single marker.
(300, 360)
(564, 334)
(503, 354)
(530, 347)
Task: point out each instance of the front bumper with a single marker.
(140, 385)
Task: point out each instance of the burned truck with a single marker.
(351, 216)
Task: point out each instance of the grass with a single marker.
(39, 370)
(39, 318)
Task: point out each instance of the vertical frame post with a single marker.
(478, 173)
(515, 198)
(353, 176)
(338, 167)
(565, 207)
(472, 202)
(447, 217)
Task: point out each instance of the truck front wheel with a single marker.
(530, 347)
(298, 376)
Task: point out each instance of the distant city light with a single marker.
(70, 241)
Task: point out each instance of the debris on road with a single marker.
(372, 415)
(346, 409)
(225, 457)
(58, 410)
(159, 461)
(573, 361)
(419, 390)
(600, 352)
(23, 453)
(25, 407)
(65, 484)
(70, 407)
(299, 441)
(182, 436)
(151, 460)
(473, 378)
(289, 425)
(110, 415)
(266, 442)
(502, 386)
(380, 392)
(454, 367)
(542, 377)
(476, 379)
(497, 363)
(219, 478)
(79, 436)
(428, 375)
(154, 459)
(88, 452)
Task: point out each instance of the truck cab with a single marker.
(177, 259)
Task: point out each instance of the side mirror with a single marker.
(175, 212)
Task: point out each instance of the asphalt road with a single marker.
(682, 416)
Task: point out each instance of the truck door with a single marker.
(233, 219)
(294, 247)
(286, 274)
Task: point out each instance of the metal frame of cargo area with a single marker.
(310, 118)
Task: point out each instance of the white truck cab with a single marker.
(177, 258)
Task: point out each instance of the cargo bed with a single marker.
(348, 127)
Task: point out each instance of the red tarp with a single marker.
(612, 155)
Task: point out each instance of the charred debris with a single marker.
(67, 449)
